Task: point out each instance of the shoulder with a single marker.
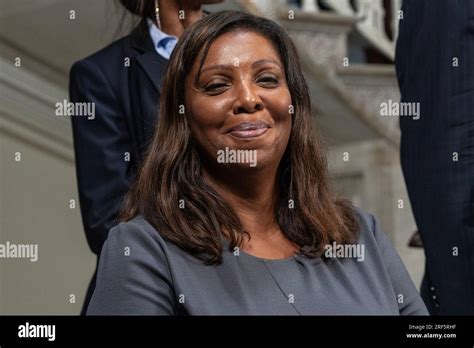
(366, 219)
(135, 232)
(376, 243)
(370, 232)
(145, 242)
(383, 260)
(133, 276)
(109, 58)
(138, 241)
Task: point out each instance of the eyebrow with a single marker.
(230, 66)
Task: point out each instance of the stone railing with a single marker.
(378, 24)
(376, 20)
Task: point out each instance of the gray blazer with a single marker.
(140, 273)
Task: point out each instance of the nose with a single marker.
(248, 101)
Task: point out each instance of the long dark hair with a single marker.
(307, 211)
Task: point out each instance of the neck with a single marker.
(174, 22)
(251, 193)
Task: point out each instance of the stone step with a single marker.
(323, 35)
(372, 86)
(321, 39)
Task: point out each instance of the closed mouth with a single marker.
(249, 129)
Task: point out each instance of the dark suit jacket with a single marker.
(126, 109)
(123, 80)
(435, 67)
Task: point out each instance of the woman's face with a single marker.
(241, 100)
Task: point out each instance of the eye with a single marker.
(215, 87)
(268, 80)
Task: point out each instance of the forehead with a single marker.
(240, 46)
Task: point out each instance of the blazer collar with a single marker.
(150, 61)
(140, 38)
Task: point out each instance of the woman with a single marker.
(231, 212)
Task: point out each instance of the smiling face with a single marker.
(241, 100)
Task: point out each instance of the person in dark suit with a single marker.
(124, 81)
(435, 67)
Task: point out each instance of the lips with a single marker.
(249, 129)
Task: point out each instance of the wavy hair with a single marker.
(171, 193)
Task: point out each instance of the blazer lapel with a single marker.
(150, 61)
(146, 74)
(154, 66)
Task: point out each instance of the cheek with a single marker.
(279, 106)
(206, 118)
(206, 114)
